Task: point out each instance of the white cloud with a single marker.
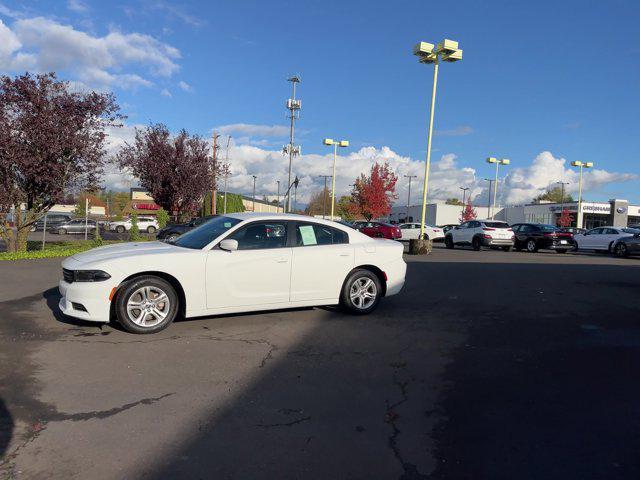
(165, 93)
(185, 86)
(77, 6)
(41, 44)
(460, 131)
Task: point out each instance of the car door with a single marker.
(457, 233)
(610, 235)
(76, 226)
(591, 239)
(258, 273)
(321, 260)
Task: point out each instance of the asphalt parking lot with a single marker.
(489, 365)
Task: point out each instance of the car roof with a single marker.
(281, 216)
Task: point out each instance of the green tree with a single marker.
(319, 203)
(134, 233)
(234, 203)
(162, 217)
(554, 195)
(343, 208)
(453, 201)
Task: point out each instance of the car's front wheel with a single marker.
(361, 292)
(62, 231)
(151, 229)
(120, 229)
(475, 244)
(146, 304)
(448, 242)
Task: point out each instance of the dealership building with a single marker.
(615, 212)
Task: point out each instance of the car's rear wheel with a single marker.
(146, 304)
(379, 235)
(361, 292)
(532, 246)
(120, 229)
(448, 242)
(506, 249)
(475, 244)
(62, 231)
(151, 229)
(561, 251)
(575, 247)
(621, 250)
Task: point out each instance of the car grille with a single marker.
(67, 275)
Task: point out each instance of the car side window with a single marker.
(611, 231)
(474, 224)
(261, 235)
(463, 225)
(309, 234)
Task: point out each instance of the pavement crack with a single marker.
(285, 424)
(101, 414)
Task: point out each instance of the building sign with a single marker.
(603, 208)
(145, 206)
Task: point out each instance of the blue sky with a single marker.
(557, 77)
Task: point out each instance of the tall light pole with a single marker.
(294, 107)
(562, 184)
(410, 177)
(278, 202)
(504, 161)
(336, 144)
(324, 196)
(464, 199)
(226, 175)
(254, 192)
(447, 51)
(582, 165)
(214, 161)
(490, 180)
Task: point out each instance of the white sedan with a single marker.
(412, 231)
(602, 238)
(235, 263)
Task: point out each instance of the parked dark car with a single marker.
(53, 220)
(171, 232)
(379, 230)
(535, 236)
(76, 225)
(627, 246)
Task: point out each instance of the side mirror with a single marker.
(229, 245)
(457, 227)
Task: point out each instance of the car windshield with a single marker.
(632, 231)
(496, 224)
(201, 236)
(548, 228)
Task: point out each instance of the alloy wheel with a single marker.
(148, 306)
(363, 292)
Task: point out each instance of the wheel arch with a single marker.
(373, 269)
(173, 281)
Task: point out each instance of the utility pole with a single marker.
(464, 198)
(324, 195)
(294, 107)
(410, 177)
(278, 202)
(226, 174)
(254, 192)
(490, 180)
(295, 193)
(562, 184)
(213, 176)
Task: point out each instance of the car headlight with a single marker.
(90, 276)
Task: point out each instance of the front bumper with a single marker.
(93, 296)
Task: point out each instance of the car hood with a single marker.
(123, 250)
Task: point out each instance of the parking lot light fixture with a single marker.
(503, 161)
(428, 53)
(336, 144)
(254, 192)
(581, 165)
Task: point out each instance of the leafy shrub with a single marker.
(134, 233)
(162, 217)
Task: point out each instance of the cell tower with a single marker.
(294, 106)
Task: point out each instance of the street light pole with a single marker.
(490, 180)
(324, 196)
(278, 202)
(410, 177)
(582, 165)
(336, 144)
(447, 51)
(504, 161)
(226, 174)
(254, 192)
(464, 199)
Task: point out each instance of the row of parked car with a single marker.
(620, 241)
(63, 224)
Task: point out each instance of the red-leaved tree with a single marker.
(51, 139)
(469, 213)
(372, 195)
(565, 218)
(176, 170)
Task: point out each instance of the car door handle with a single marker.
(282, 260)
(345, 254)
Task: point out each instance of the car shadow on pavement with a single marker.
(6, 428)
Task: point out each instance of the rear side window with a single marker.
(496, 224)
(309, 234)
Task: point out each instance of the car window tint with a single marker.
(260, 235)
(496, 224)
(201, 236)
(308, 234)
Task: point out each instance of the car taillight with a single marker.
(509, 229)
(487, 236)
(549, 234)
(488, 229)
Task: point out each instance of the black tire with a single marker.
(151, 229)
(379, 235)
(621, 250)
(532, 246)
(506, 249)
(475, 244)
(120, 229)
(610, 249)
(130, 291)
(575, 247)
(357, 281)
(62, 231)
(561, 251)
(448, 242)
(517, 247)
